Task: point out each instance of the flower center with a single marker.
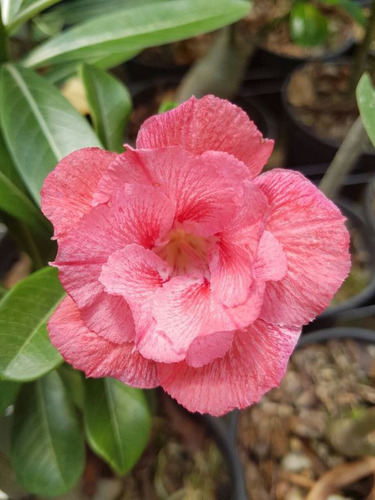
(185, 253)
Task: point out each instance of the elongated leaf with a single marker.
(308, 26)
(117, 422)
(135, 28)
(9, 9)
(58, 73)
(110, 106)
(29, 11)
(366, 104)
(47, 444)
(8, 394)
(77, 11)
(40, 125)
(14, 199)
(25, 349)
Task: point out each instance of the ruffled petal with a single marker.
(312, 233)
(94, 355)
(135, 274)
(68, 190)
(137, 214)
(204, 190)
(235, 253)
(255, 364)
(208, 124)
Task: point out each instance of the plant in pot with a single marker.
(320, 106)
(47, 408)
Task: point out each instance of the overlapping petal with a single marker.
(68, 190)
(311, 231)
(255, 364)
(96, 356)
(208, 124)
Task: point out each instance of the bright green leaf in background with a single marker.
(40, 126)
(117, 422)
(110, 106)
(8, 394)
(25, 349)
(29, 9)
(9, 9)
(137, 27)
(308, 26)
(366, 104)
(47, 444)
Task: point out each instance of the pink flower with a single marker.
(183, 267)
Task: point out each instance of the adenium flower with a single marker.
(184, 267)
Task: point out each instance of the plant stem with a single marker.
(345, 159)
(4, 50)
(360, 60)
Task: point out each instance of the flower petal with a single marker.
(311, 231)
(271, 264)
(208, 124)
(255, 364)
(137, 214)
(93, 354)
(204, 190)
(206, 348)
(235, 253)
(68, 190)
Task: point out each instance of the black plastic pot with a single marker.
(285, 64)
(305, 147)
(369, 203)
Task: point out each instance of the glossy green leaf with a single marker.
(40, 126)
(135, 28)
(14, 199)
(78, 11)
(73, 381)
(110, 106)
(9, 9)
(47, 444)
(58, 73)
(8, 393)
(28, 12)
(117, 422)
(25, 349)
(308, 26)
(366, 104)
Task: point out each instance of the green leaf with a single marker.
(58, 73)
(9, 9)
(40, 126)
(47, 444)
(167, 106)
(308, 26)
(117, 422)
(110, 106)
(78, 11)
(366, 104)
(14, 199)
(8, 394)
(26, 352)
(28, 12)
(73, 382)
(135, 28)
